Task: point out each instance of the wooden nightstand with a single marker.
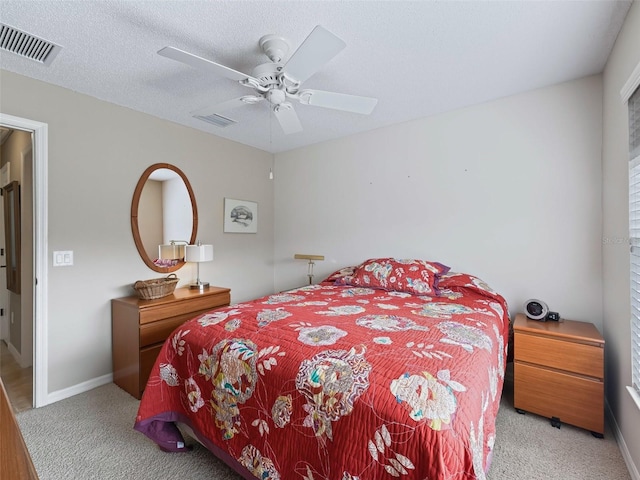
(559, 372)
(140, 327)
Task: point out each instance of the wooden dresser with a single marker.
(140, 327)
(559, 372)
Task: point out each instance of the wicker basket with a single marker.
(156, 287)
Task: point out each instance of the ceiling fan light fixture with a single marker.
(215, 119)
(276, 96)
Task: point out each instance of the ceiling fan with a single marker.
(279, 83)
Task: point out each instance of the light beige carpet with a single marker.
(91, 436)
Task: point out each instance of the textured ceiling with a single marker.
(418, 58)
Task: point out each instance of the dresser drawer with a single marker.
(574, 400)
(194, 304)
(148, 358)
(564, 355)
(151, 333)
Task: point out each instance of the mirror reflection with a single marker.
(163, 213)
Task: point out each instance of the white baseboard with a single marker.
(622, 445)
(79, 388)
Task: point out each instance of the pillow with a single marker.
(452, 280)
(454, 284)
(418, 277)
(339, 276)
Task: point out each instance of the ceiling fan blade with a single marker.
(202, 63)
(287, 118)
(338, 101)
(317, 49)
(228, 105)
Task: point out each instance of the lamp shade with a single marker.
(171, 251)
(198, 253)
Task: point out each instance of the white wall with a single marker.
(615, 247)
(508, 190)
(177, 221)
(97, 152)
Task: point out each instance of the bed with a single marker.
(390, 369)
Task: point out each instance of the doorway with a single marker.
(26, 317)
(16, 312)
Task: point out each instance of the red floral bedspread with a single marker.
(338, 382)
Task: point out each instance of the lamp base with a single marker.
(200, 285)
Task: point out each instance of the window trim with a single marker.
(634, 395)
(631, 87)
(634, 269)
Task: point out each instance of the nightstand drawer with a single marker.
(575, 400)
(564, 355)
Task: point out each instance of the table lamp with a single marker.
(199, 253)
(311, 258)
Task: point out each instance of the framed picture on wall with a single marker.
(240, 216)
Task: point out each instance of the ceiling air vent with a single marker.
(27, 45)
(215, 119)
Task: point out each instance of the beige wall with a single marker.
(508, 190)
(12, 150)
(97, 152)
(615, 248)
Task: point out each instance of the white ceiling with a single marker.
(418, 58)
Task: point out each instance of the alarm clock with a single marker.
(538, 310)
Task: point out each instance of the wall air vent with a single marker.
(27, 45)
(215, 119)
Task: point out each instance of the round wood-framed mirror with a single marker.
(163, 209)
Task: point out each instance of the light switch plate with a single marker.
(63, 258)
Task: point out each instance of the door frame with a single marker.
(39, 140)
